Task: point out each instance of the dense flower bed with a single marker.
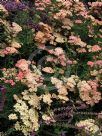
(51, 68)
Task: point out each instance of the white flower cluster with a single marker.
(89, 126)
(28, 114)
(62, 91)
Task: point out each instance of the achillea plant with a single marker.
(56, 55)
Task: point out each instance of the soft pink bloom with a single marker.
(10, 82)
(9, 50)
(90, 63)
(70, 62)
(88, 92)
(49, 59)
(98, 62)
(51, 51)
(100, 71)
(75, 40)
(81, 50)
(96, 48)
(20, 75)
(58, 51)
(61, 14)
(78, 21)
(48, 70)
(23, 64)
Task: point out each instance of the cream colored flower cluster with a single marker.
(2, 134)
(89, 126)
(71, 82)
(88, 92)
(3, 9)
(28, 115)
(62, 91)
(10, 72)
(27, 111)
(65, 85)
(9, 75)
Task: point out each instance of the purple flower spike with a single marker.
(3, 90)
(33, 134)
(11, 6)
(63, 134)
(2, 101)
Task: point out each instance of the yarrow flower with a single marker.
(88, 92)
(23, 65)
(89, 126)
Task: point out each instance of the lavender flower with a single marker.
(3, 91)
(33, 25)
(63, 134)
(14, 6)
(33, 134)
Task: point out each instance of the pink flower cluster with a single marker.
(95, 48)
(88, 92)
(8, 50)
(75, 40)
(95, 63)
(41, 4)
(23, 65)
(59, 53)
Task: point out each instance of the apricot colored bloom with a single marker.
(62, 91)
(40, 37)
(48, 70)
(44, 35)
(67, 23)
(61, 14)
